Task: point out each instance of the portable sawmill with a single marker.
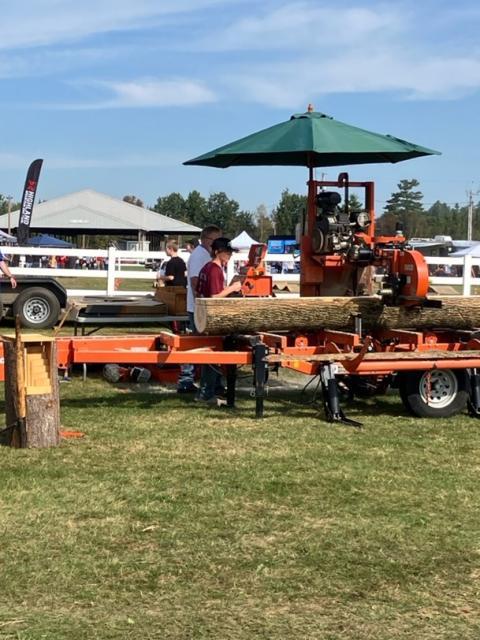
(354, 342)
(363, 321)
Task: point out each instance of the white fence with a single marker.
(117, 266)
(113, 265)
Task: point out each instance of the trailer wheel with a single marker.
(37, 307)
(437, 393)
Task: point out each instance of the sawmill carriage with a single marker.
(355, 345)
(363, 321)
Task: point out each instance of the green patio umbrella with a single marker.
(312, 139)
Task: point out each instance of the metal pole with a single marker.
(470, 216)
(9, 211)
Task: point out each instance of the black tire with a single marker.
(37, 307)
(439, 393)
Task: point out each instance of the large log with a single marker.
(249, 315)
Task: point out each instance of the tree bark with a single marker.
(250, 315)
(41, 427)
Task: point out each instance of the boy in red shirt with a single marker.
(211, 284)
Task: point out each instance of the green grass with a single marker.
(83, 282)
(170, 520)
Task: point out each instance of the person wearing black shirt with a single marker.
(175, 268)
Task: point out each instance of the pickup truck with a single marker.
(37, 300)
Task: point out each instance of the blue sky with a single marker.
(116, 94)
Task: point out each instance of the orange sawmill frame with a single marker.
(380, 355)
(294, 350)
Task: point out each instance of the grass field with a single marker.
(170, 520)
(101, 283)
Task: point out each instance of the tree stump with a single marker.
(39, 427)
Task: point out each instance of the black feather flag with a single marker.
(28, 199)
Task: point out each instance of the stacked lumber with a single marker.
(223, 316)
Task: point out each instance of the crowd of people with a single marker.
(63, 262)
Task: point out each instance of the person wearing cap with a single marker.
(6, 271)
(199, 257)
(211, 284)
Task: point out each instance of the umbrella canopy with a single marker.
(312, 139)
(243, 241)
(48, 241)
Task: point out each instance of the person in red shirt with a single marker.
(211, 284)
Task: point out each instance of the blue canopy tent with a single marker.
(49, 241)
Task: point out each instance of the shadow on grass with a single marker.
(287, 402)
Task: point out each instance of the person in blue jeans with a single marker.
(199, 257)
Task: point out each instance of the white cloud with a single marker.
(305, 51)
(145, 93)
(373, 69)
(45, 62)
(305, 26)
(160, 93)
(31, 23)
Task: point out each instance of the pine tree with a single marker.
(406, 205)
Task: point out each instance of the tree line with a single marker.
(226, 213)
(404, 207)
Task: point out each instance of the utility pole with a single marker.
(9, 211)
(470, 195)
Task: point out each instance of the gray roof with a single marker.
(89, 209)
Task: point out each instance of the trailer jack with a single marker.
(260, 375)
(331, 399)
(474, 393)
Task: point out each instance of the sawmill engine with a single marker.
(335, 225)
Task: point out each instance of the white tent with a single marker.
(243, 241)
(473, 250)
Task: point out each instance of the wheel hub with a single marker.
(438, 388)
(36, 310)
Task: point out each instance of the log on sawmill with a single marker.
(249, 315)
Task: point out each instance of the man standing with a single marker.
(175, 269)
(6, 271)
(199, 257)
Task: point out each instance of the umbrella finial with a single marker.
(310, 107)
